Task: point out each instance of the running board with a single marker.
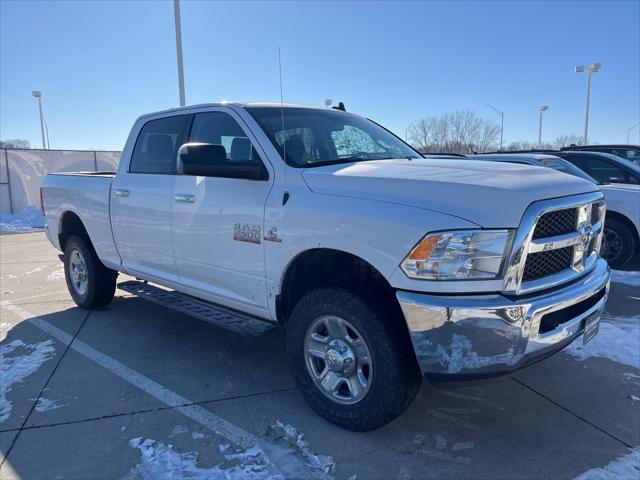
(209, 312)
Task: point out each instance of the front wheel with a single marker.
(90, 283)
(351, 359)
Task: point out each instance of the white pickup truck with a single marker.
(382, 266)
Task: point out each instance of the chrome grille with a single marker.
(546, 263)
(557, 240)
(558, 222)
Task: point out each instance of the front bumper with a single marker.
(468, 337)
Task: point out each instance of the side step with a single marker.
(209, 312)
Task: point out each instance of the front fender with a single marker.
(379, 233)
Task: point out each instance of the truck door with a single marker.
(218, 222)
(142, 200)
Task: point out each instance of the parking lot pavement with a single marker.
(137, 391)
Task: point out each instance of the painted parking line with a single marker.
(209, 420)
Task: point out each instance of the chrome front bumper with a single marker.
(459, 337)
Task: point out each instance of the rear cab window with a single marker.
(157, 145)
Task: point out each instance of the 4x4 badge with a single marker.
(272, 235)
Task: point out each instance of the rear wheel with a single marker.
(617, 243)
(350, 359)
(90, 283)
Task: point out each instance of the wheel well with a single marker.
(628, 223)
(317, 267)
(70, 224)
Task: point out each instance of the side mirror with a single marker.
(208, 160)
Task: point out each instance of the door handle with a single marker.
(185, 198)
(118, 192)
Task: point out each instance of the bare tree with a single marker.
(559, 142)
(459, 132)
(14, 143)
(567, 140)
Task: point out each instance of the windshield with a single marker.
(312, 137)
(566, 167)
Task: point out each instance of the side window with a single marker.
(157, 145)
(580, 162)
(219, 128)
(604, 171)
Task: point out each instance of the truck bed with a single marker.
(86, 195)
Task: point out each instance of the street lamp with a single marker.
(543, 108)
(501, 113)
(593, 68)
(38, 94)
(629, 131)
(176, 18)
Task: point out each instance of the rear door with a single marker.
(218, 223)
(142, 200)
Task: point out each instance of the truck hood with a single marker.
(489, 194)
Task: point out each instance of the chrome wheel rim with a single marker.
(611, 244)
(78, 272)
(338, 359)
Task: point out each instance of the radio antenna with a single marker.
(285, 196)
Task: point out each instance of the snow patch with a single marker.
(178, 429)
(35, 270)
(288, 449)
(627, 466)
(283, 444)
(197, 435)
(617, 340)
(56, 274)
(15, 368)
(44, 405)
(28, 219)
(628, 278)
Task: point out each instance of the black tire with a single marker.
(617, 244)
(395, 378)
(100, 280)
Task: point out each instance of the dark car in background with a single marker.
(604, 167)
(628, 152)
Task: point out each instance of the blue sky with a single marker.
(101, 64)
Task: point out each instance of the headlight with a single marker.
(458, 255)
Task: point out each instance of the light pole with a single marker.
(543, 108)
(501, 113)
(593, 68)
(38, 94)
(629, 131)
(176, 17)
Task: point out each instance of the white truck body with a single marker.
(233, 241)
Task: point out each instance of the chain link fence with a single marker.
(22, 172)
